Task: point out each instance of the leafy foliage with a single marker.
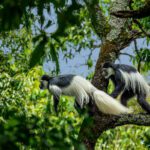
(27, 118)
(73, 28)
(143, 57)
(126, 137)
(33, 32)
(38, 53)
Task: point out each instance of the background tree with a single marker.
(37, 31)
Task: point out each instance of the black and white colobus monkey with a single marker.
(83, 91)
(128, 81)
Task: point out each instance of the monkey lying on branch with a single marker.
(128, 81)
(83, 91)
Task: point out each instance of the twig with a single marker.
(138, 54)
(141, 28)
(127, 55)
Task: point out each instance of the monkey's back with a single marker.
(125, 68)
(135, 81)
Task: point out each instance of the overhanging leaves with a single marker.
(54, 57)
(11, 13)
(38, 52)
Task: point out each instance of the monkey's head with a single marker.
(107, 70)
(44, 82)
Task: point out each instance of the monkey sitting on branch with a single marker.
(83, 91)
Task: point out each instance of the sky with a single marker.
(75, 65)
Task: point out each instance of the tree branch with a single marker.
(141, 119)
(141, 28)
(131, 56)
(137, 22)
(98, 20)
(142, 12)
(93, 127)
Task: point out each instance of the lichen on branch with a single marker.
(98, 19)
(116, 24)
(136, 14)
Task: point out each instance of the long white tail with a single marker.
(82, 88)
(109, 105)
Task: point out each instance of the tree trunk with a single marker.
(115, 40)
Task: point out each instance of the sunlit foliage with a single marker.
(30, 33)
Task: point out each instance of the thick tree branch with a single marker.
(117, 24)
(142, 119)
(137, 14)
(98, 19)
(93, 127)
(137, 22)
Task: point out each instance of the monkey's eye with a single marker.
(104, 72)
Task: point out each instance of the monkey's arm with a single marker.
(56, 101)
(56, 92)
(107, 83)
(117, 90)
(119, 85)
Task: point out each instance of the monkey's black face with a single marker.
(107, 72)
(104, 72)
(43, 84)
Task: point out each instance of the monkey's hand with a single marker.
(117, 91)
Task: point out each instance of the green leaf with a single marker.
(38, 52)
(48, 24)
(54, 57)
(90, 62)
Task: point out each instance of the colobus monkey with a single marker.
(128, 81)
(83, 91)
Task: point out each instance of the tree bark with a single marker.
(142, 12)
(115, 40)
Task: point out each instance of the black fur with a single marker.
(46, 77)
(56, 102)
(123, 67)
(120, 85)
(62, 80)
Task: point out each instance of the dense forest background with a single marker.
(33, 33)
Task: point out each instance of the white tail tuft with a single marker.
(109, 105)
